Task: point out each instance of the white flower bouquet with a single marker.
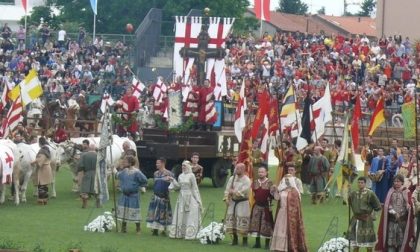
(102, 223)
(339, 244)
(211, 234)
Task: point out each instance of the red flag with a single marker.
(262, 9)
(273, 117)
(357, 113)
(378, 116)
(24, 4)
(263, 109)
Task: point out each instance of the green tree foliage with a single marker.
(38, 12)
(114, 15)
(367, 6)
(293, 7)
(321, 11)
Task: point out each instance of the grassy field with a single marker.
(59, 225)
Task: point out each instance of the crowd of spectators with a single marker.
(65, 65)
(359, 65)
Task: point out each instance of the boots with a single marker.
(257, 243)
(155, 232)
(84, 202)
(245, 241)
(124, 227)
(267, 244)
(235, 240)
(138, 228)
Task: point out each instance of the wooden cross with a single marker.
(202, 53)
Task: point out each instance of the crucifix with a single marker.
(202, 53)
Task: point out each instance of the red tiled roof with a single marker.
(285, 21)
(354, 25)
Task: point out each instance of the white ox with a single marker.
(8, 148)
(113, 154)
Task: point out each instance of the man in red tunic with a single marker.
(130, 105)
(207, 115)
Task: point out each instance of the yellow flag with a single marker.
(30, 88)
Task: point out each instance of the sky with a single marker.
(332, 7)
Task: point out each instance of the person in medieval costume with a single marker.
(160, 213)
(43, 175)
(87, 165)
(187, 215)
(207, 115)
(237, 199)
(289, 232)
(363, 203)
(130, 105)
(318, 169)
(381, 175)
(396, 229)
(261, 223)
(131, 179)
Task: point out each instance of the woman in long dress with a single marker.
(187, 216)
(289, 233)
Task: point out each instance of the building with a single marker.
(346, 26)
(12, 13)
(398, 18)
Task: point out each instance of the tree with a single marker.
(39, 12)
(293, 7)
(367, 6)
(321, 11)
(114, 15)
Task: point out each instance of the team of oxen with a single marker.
(20, 158)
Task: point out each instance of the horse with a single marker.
(88, 113)
(52, 110)
(71, 117)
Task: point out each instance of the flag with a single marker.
(345, 167)
(265, 137)
(94, 5)
(4, 98)
(29, 89)
(25, 5)
(378, 116)
(322, 110)
(106, 101)
(409, 119)
(262, 9)
(357, 113)
(14, 116)
(105, 142)
(240, 113)
(289, 102)
(244, 156)
(273, 117)
(305, 137)
(138, 87)
(159, 89)
(263, 109)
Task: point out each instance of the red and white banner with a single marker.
(14, 116)
(138, 87)
(215, 72)
(240, 113)
(159, 89)
(25, 5)
(186, 34)
(262, 9)
(106, 101)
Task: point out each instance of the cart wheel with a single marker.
(219, 172)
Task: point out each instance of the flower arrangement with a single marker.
(102, 223)
(211, 234)
(339, 244)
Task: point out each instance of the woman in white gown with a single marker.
(187, 216)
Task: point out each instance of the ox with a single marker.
(9, 156)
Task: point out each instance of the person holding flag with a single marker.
(130, 107)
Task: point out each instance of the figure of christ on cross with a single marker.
(202, 53)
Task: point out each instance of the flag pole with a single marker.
(261, 27)
(94, 28)
(416, 129)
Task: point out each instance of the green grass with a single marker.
(59, 225)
